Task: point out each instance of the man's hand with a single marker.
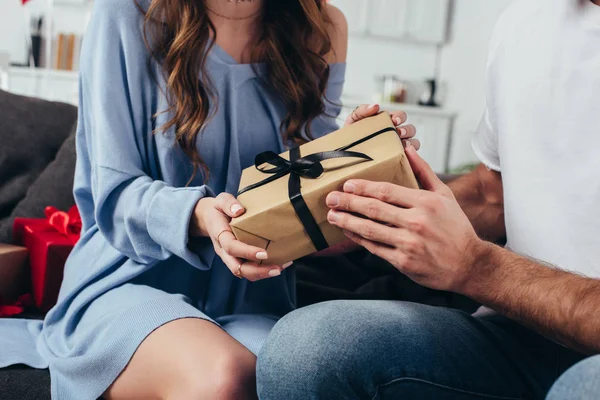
(405, 131)
(428, 237)
(423, 233)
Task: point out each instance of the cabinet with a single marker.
(421, 21)
(356, 12)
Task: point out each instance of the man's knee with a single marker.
(582, 381)
(312, 347)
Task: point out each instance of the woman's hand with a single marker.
(406, 132)
(211, 218)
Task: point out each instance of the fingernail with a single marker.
(348, 234)
(287, 264)
(371, 106)
(403, 132)
(274, 272)
(333, 200)
(407, 143)
(236, 208)
(398, 121)
(349, 187)
(332, 216)
(262, 255)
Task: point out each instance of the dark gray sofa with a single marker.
(37, 161)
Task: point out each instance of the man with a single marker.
(538, 185)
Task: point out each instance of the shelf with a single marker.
(27, 72)
(351, 101)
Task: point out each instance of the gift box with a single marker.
(49, 242)
(284, 195)
(13, 272)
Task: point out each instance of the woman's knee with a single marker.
(188, 359)
(233, 376)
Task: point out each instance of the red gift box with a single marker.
(49, 242)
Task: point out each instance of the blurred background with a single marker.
(426, 57)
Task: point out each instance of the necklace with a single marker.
(234, 18)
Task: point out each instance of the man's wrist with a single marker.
(482, 271)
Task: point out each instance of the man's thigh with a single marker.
(581, 382)
(382, 349)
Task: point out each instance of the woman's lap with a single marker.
(113, 326)
(382, 349)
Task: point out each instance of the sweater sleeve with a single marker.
(142, 217)
(327, 122)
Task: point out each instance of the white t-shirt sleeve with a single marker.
(485, 143)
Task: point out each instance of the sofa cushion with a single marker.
(53, 187)
(24, 383)
(31, 132)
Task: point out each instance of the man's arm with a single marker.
(560, 305)
(427, 236)
(480, 195)
(518, 287)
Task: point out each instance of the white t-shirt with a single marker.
(541, 129)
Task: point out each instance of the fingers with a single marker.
(371, 208)
(398, 117)
(416, 143)
(374, 248)
(386, 192)
(361, 112)
(425, 175)
(254, 272)
(235, 248)
(365, 228)
(251, 270)
(407, 131)
(229, 205)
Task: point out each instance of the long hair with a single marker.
(293, 42)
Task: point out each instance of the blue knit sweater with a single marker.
(135, 268)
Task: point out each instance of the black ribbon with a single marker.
(309, 166)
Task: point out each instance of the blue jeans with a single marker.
(400, 350)
(581, 382)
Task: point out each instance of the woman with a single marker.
(151, 305)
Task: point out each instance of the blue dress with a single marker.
(135, 268)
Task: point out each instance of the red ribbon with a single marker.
(67, 223)
(16, 308)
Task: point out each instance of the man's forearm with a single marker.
(559, 305)
(480, 195)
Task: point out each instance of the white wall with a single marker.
(461, 66)
(12, 30)
(461, 63)
(70, 17)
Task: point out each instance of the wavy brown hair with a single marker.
(293, 42)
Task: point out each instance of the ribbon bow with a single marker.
(309, 166)
(67, 223)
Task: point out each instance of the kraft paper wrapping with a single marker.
(270, 221)
(13, 270)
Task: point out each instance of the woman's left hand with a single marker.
(406, 132)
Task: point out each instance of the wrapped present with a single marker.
(14, 308)
(13, 272)
(49, 242)
(284, 195)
